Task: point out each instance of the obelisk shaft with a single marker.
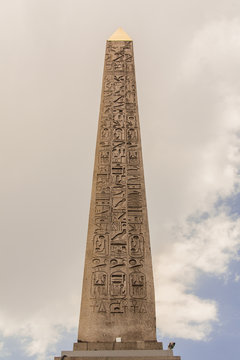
(118, 291)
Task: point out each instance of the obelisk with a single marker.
(118, 293)
(118, 305)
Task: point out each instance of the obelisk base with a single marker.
(140, 350)
(131, 345)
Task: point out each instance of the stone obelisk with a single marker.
(118, 305)
(118, 294)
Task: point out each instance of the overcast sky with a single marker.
(187, 56)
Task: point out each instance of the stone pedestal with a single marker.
(135, 345)
(139, 350)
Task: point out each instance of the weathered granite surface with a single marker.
(118, 291)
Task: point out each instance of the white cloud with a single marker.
(236, 277)
(206, 247)
(41, 330)
(215, 52)
(201, 238)
(3, 352)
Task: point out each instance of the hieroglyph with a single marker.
(118, 243)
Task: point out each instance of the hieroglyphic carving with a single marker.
(118, 174)
(134, 198)
(100, 246)
(105, 136)
(119, 155)
(118, 198)
(135, 216)
(138, 306)
(137, 285)
(132, 136)
(118, 134)
(99, 284)
(130, 89)
(99, 263)
(118, 286)
(133, 157)
(118, 118)
(118, 306)
(118, 242)
(102, 224)
(117, 262)
(135, 263)
(99, 306)
(131, 121)
(104, 157)
(136, 246)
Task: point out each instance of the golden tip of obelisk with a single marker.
(119, 35)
